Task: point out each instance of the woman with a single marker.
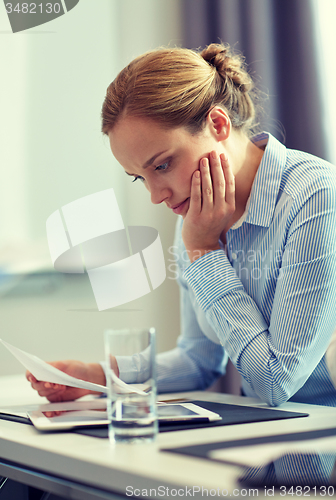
(258, 223)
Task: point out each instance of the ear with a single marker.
(219, 123)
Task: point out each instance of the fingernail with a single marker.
(204, 162)
(214, 155)
(197, 174)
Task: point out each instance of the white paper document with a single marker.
(48, 373)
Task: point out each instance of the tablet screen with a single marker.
(69, 418)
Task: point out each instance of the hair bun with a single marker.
(229, 66)
(215, 54)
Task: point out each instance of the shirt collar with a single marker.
(265, 188)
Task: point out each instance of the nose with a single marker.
(158, 193)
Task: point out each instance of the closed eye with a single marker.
(138, 177)
(164, 166)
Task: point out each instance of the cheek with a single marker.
(186, 172)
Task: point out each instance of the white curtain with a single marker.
(325, 34)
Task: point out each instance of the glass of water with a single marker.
(131, 384)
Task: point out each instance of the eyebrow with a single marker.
(152, 160)
(149, 162)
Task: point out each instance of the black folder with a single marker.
(231, 415)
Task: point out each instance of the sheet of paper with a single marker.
(125, 388)
(48, 373)
(43, 371)
(259, 455)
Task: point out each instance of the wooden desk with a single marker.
(83, 468)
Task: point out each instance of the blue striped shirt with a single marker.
(268, 301)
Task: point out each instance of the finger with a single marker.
(48, 393)
(38, 386)
(218, 179)
(49, 385)
(30, 377)
(230, 185)
(51, 414)
(57, 398)
(195, 194)
(207, 189)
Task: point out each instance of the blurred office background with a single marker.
(53, 82)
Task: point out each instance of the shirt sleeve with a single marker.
(276, 359)
(194, 364)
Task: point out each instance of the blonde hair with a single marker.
(178, 87)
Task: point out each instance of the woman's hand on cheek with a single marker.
(212, 204)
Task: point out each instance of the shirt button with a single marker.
(234, 256)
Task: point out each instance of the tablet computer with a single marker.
(94, 414)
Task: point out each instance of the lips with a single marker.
(177, 209)
(178, 205)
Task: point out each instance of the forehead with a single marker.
(135, 140)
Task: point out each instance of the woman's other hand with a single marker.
(212, 204)
(90, 372)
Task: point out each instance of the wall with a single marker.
(53, 81)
